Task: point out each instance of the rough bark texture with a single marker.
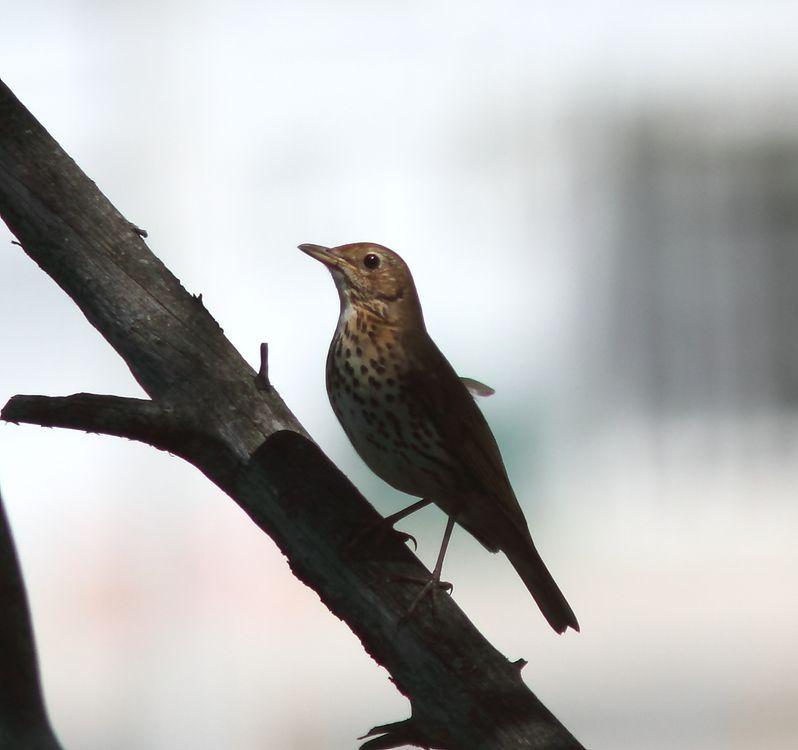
(211, 408)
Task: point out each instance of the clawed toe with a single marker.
(377, 531)
(374, 535)
(429, 587)
(404, 537)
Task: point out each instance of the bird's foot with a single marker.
(374, 535)
(430, 586)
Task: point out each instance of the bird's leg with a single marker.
(433, 583)
(379, 528)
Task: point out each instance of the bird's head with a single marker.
(373, 278)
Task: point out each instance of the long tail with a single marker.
(545, 591)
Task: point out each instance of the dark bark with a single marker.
(211, 408)
(23, 720)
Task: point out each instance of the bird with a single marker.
(415, 423)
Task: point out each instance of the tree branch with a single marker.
(163, 426)
(23, 719)
(134, 418)
(210, 407)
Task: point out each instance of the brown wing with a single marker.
(432, 383)
(490, 513)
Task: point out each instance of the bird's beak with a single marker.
(324, 254)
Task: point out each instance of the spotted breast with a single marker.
(367, 368)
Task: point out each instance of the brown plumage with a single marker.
(412, 419)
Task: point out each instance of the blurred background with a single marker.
(598, 202)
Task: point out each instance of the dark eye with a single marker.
(372, 260)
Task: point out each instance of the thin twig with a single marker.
(262, 378)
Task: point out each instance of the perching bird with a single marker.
(413, 421)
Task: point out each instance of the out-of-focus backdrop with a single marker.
(599, 202)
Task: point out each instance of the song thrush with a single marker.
(413, 421)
